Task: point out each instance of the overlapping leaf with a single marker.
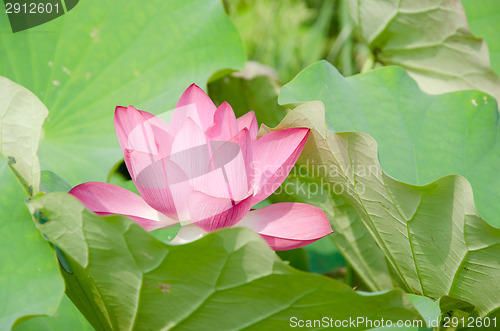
(421, 137)
(431, 39)
(124, 278)
(21, 118)
(30, 283)
(431, 235)
(350, 235)
(67, 317)
(107, 53)
(484, 20)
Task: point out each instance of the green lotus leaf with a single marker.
(21, 118)
(431, 235)
(124, 278)
(484, 20)
(107, 53)
(421, 137)
(350, 235)
(431, 39)
(30, 282)
(67, 317)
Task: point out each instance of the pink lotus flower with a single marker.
(205, 170)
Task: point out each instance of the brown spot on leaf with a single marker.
(165, 288)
